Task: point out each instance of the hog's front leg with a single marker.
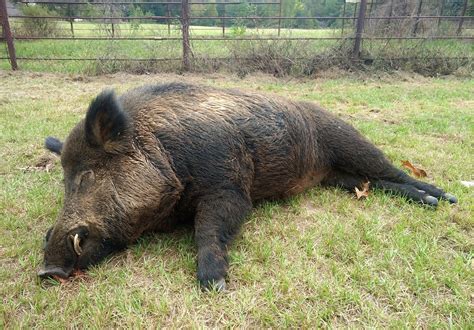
(218, 219)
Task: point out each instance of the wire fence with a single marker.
(189, 31)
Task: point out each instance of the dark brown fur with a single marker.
(163, 154)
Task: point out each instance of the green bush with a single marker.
(38, 27)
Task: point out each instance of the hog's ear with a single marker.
(53, 145)
(106, 123)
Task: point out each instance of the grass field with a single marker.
(320, 259)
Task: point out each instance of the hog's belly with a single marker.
(286, 156)
(284, 168)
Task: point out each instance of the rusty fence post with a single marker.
(185, 34)
(461, 20)
(8, 34)
(359, 29)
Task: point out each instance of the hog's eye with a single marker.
(86, 179)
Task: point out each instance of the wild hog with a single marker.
(160, 155)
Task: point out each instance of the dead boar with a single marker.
(159, 155)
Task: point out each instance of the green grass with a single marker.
(322, 258)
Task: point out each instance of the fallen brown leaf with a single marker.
(418, 172)
(364, 192)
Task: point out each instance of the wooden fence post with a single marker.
(185, 34)
(8, 34)
(461, 20)
(359, 29)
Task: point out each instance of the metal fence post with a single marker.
(71, 23)
(69, 13)
(223, 20)
(343, 15)
(279, 17)
(8, 34)
(359, 29)
(461, 20)
(168, 12)
(185, 34)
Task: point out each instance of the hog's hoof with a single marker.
(450, 198)
(217, 286)
(430, 200)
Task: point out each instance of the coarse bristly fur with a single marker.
(160, 155)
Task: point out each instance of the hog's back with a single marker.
(268, 145)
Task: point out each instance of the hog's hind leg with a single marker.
(349, 181)
(355, 160)
(218, 219)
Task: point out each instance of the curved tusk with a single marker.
(77, 247)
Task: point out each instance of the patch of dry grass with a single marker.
(320, 259)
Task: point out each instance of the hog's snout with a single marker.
(51, 271)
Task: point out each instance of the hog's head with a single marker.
(114, 189)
